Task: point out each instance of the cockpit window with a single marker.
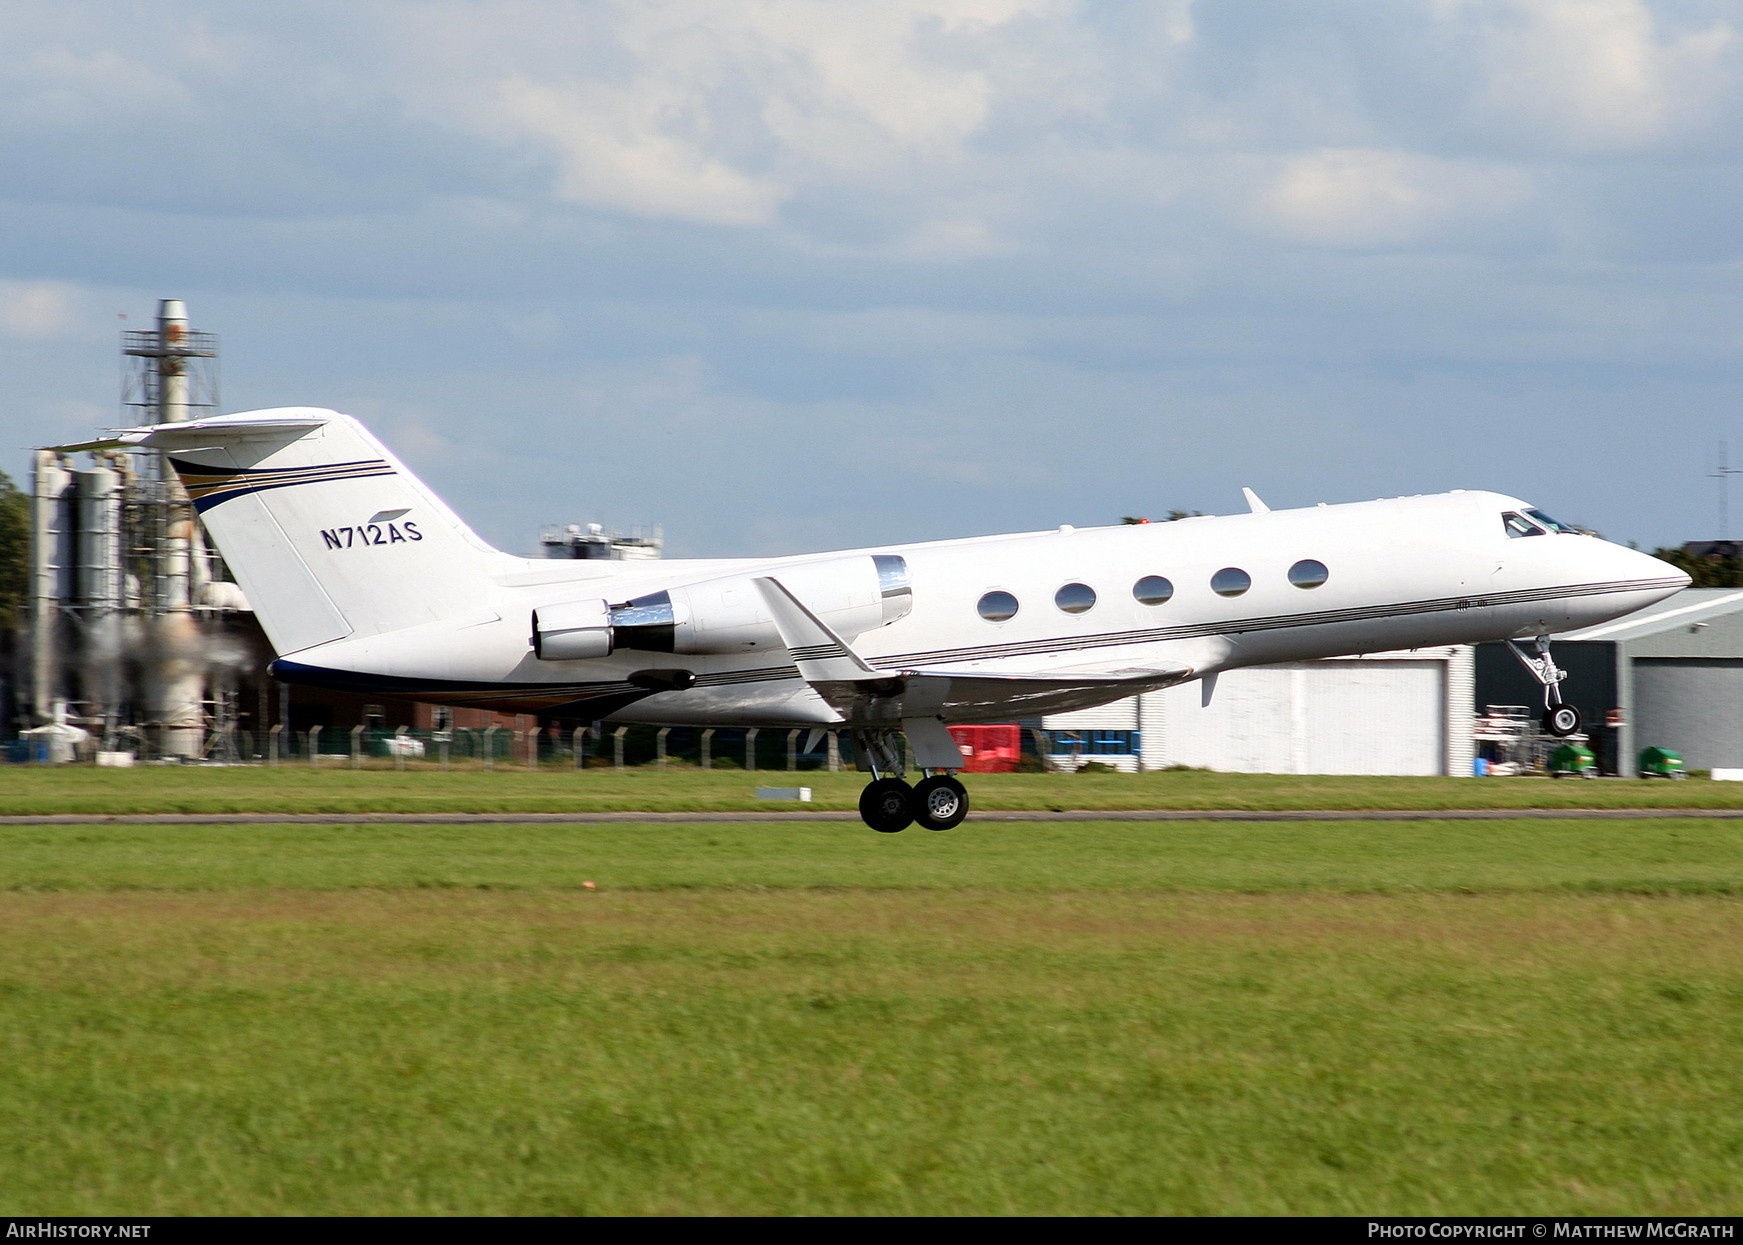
(1518, 525)
(1554, 525)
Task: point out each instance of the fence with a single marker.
(757, 749)
(548, 748)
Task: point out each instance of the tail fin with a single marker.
(327, 532)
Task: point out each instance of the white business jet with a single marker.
(364, 580)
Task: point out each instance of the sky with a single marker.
(786, 276)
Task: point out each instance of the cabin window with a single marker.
(1554, 525)
(1231, 581)
(998, 606)
(1308, 573)
(1075, 598)
(1152, 590)
(1518, 525)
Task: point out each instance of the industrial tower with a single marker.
(126, 649)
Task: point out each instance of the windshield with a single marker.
(1554, 525)
(1519, 525)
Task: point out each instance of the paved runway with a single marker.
(524, 819)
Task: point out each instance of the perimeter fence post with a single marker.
(357, 746)
(660, 746)
(490, 746)
(399, 743)
(792, 750)
(708, 748)
(314, 745)
(750, 748)
(1043, 749)
(617, 746)
(533, 747)
(834, 752)
(578, 747)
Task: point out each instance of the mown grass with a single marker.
(301, 789)
(1690, 856)
(805, 1018)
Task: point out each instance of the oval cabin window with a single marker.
(1308, 573)
(1231, 581)
(1074, 598)
(1152, 590)
(998, 606)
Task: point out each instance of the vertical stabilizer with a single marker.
(327, 532)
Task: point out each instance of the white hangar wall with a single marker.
(1382, 713)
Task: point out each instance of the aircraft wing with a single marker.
(868, 695)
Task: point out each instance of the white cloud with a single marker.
(39, 309)
(615, 148)
(721, 113)
(61, 87)
(1599, 74)
(1360, 197)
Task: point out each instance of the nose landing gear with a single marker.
(1560, 720)
(888, 804)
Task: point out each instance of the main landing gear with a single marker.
(1558, 719)
(888, 804)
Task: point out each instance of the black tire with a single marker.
(1561, 721)
(940, 803)
(887, 805)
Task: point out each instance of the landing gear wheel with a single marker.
(887, 805)
(940, 802)
(1561, 720)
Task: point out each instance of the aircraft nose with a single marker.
(1633, 581)
(1663, 578)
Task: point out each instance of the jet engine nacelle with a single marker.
(727, 615)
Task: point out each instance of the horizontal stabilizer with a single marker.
(199, 431)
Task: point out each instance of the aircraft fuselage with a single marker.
(1398, 573)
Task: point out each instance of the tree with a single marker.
(1174, 516)
(14, 551)
(1704, 572)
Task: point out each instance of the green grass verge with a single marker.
(1161, 1018)
(300, 789)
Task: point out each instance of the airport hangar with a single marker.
(1404, 712)
(1669, 676)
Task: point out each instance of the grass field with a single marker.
(1209, 1017)
(300, 789)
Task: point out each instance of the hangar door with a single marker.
(1692, 704)
(1328, 717)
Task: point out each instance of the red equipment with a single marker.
(988, 749)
